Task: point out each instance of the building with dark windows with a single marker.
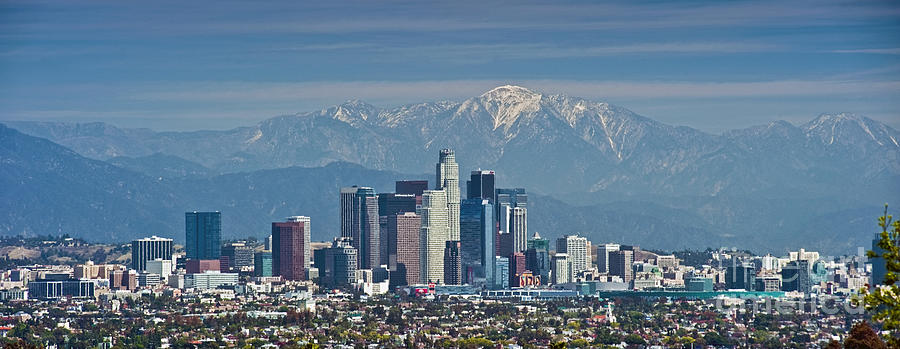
(360, 223)
(339, 265)
(203, 235)
(289, 250)
(481, 185)
(741, 276)
(476, 230)
(391, 204)
(148, 249)
(403, 253)
(452, 267)
(516, 268)
(56, 289)
(412, 187)
(501, 273)
(795, 276)
(620, 264)
(239, 255)
(537, 257)
(262, 264)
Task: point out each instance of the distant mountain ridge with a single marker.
(747, 187)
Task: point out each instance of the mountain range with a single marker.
(592, 167)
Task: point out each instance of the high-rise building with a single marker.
(359, 222)
(448, 180)
(262, 264)
(505, 200)
(501, 273)
(161, 267)
(620, 264)
(433, 236)
(795, 276)
(411, 187)
(562, 272)
(340, 265)
(481, 185)
(476, 229)
(741, 276)
(518, 228)
(537, 257)
(452, 266)
(288, 249)
(307, 236)
(516, 268)
(403, 233)
(512, 197)
(203, 235)
(239, 255)
(603, 252)
(391, 204)
(579, 253)
(148, 249)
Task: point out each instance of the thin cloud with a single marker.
(410, 91)
(884, 51)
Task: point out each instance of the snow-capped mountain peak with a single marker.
(507, 103)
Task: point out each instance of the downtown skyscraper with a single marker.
(359, 224)
(448, 180)
(203, 235)
(289, 246)
(481, 185)
(433, 236)
(476, 229)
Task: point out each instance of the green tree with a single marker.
(884, 300)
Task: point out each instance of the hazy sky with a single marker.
(219, 64)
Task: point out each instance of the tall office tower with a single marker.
(238, 254)
(620, 263)
(518, 228)
(501, 273)
(148, 249)
(403, 232)
(307, 233)
(512, 197)
(452, 266)
(433, 235)
(476, 229)
(537, 257)
(577, 248)
(288, 250)
(391, 204)
(411, 187)
(268, 245)
(562, 272)
(340, 264)
(740, 276)
(359, 222)
(448, 180)
(516, 268)
(481, 185)
(262, 264)
(795, 276)
(505, 201)
(603, 252)
(203, 235)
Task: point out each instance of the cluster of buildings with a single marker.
(427, 240)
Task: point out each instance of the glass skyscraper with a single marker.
(476, 225)
(203, 235)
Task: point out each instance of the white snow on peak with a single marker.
(507, 103)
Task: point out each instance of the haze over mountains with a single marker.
(598, 169)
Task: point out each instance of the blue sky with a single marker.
(220, 64)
